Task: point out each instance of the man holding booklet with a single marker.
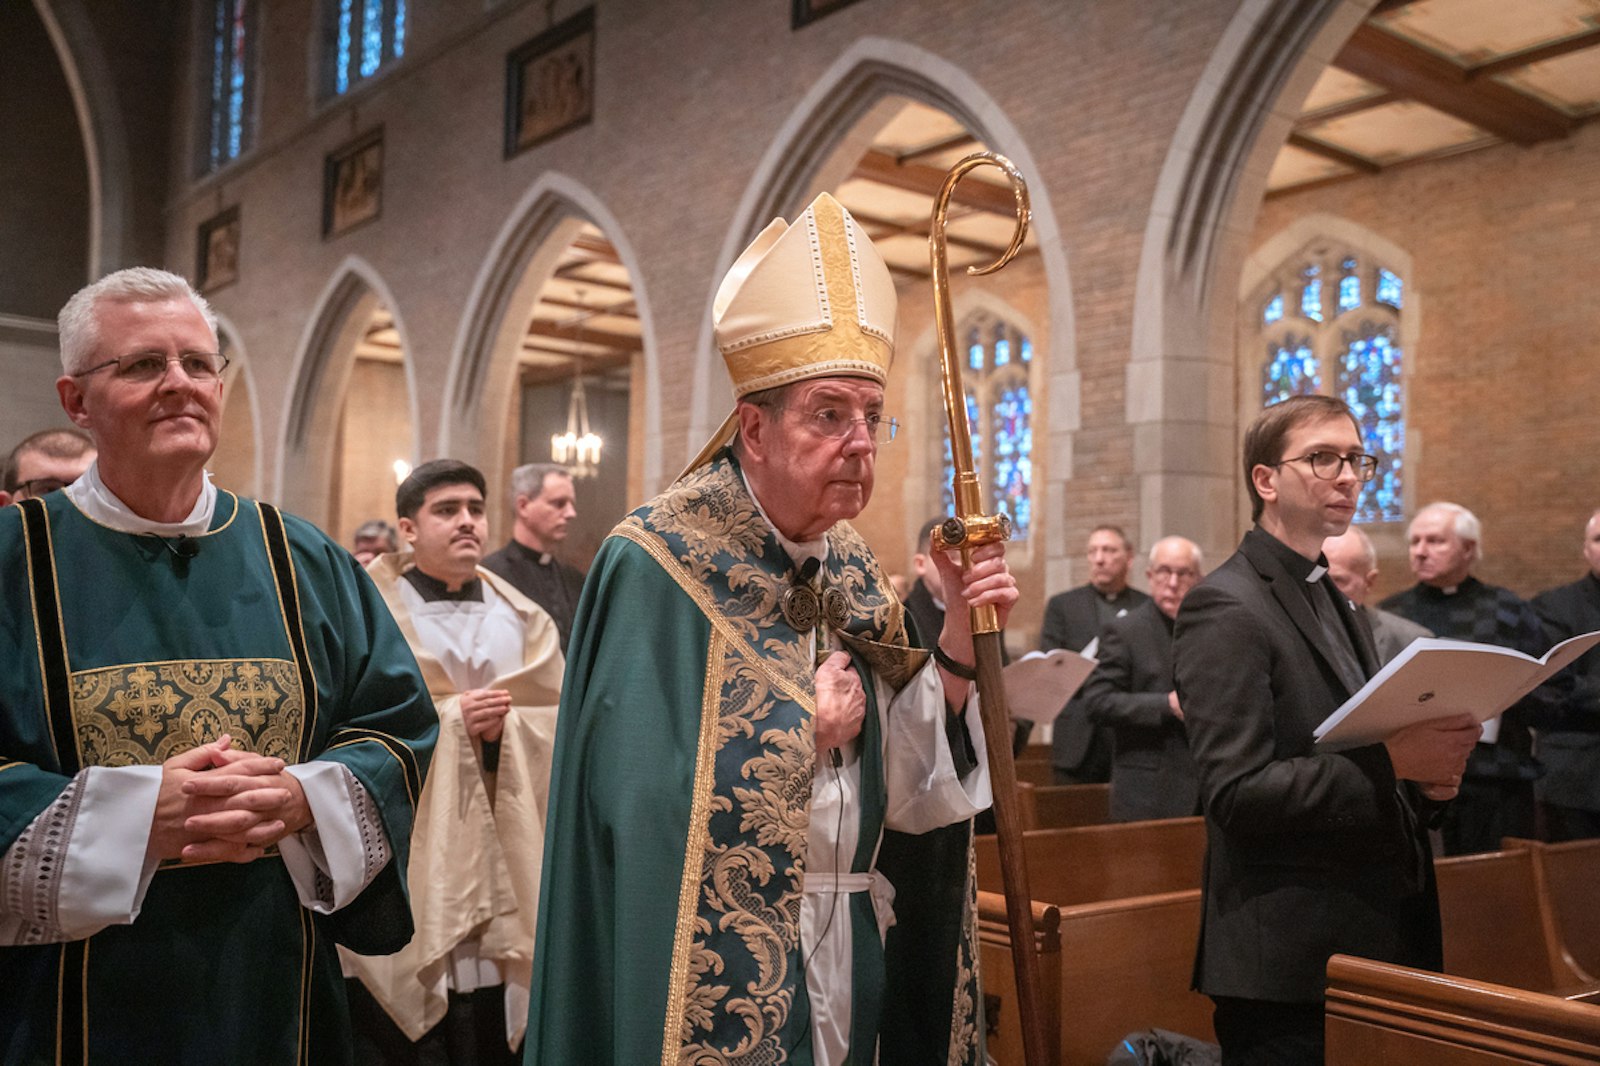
(1309, 853)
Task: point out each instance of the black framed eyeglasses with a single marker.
(1326, 465)
(142, 368)
(33, 488)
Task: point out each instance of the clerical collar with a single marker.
(432, 589)
(1444, 591)
(99, 503)
(1299, 567)
(533, 556)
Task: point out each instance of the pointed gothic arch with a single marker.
(323, 363)
(240, 448)
(805, 156)
(1181, 378)
(520, 262)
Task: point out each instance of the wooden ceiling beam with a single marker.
(620, 309)
(960, 140)
(1349, 107)
(596, 248)
(570, 273)
(1538, 54)
(1338, 155)
(584, 335)
(920, 229)
(1383, 7)
(1411, 71)
(979, 195)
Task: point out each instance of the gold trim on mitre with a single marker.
(808, 300)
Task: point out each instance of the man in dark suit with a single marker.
(1081, 753)
(1130, 692)
(1309, 853)
(1570, 789)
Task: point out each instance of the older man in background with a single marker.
(1131, 693)
(543, 497)
(1353, 565)
(215, 734)
(1497, 793)
(1080, 752)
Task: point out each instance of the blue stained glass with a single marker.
(341, 73)
(371, 37)
(1002, 352)
(399, 28)
(1369, 380)
(1027, 350)
(218, 56)
(1389, 286)
(1311, 295)
(974, 351)
(1274, 311)
(236, 85)
(1349, 293)
(1291, 370)
(1013, 456)
(975, 431)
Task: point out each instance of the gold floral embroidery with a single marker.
(141, 714)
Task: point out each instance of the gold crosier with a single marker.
(968, 529)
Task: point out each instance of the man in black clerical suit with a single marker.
(543, 497)
(1130, 692)
(1309, 853)
(1080, 752)
(1570, 789)
(1445, 542)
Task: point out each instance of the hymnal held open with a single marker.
(1434, 678)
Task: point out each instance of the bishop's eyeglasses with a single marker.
(141, 368)
(1327, 465)
(835, 423)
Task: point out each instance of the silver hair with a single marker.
(1199, 556)
(78, 324)
(528, 479)
(1369, 552)
(375, 528)
(1464, 524)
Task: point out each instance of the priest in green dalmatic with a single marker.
(212, 734)
(758, 775)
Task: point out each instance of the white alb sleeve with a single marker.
(332, 862)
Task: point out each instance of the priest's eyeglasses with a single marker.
(1327, 465)
(834, 423)
(142, 368)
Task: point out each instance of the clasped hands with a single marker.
(219, 804)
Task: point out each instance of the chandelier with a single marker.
(578, 449)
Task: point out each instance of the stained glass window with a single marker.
(231, 86)
(1353, 354)
(1291, 370)
(363, 38)
(1369, 371)
(1000, 420)
(1388, 289)
(1311, 295)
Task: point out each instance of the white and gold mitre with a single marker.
(808, 300)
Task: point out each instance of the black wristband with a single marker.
(961, 670)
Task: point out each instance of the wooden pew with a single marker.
(1571, 871)
(1093, 863)
(1064, 806)
(1380, 1014)
(1124, 965)
(998, 977)
(1499, 925)
(1035, 773)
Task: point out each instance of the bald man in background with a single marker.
(43, 462)
(1353, 565)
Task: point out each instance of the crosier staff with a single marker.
(968, 529)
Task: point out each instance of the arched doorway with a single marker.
(236, 464)
(349, 434)
(557, 303)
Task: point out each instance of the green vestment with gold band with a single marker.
(120, 651)
(675, 849)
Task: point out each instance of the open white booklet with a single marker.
(1040, 683)
(1434, 677)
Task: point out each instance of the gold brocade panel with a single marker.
(141, 714)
